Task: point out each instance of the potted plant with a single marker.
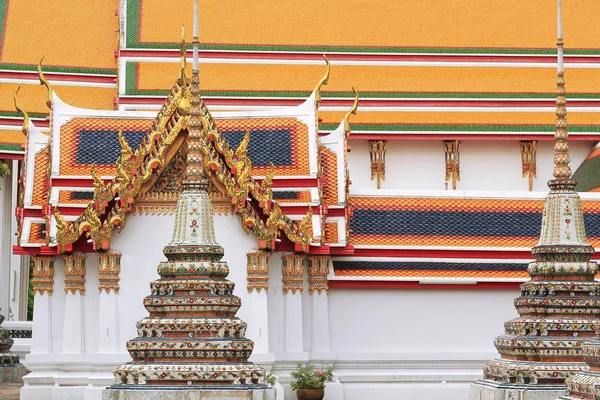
(309, 383)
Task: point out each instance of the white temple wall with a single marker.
(484, 165)
(417, 344)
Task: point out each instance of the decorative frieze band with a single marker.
(293, 273)
(318, 268)
(75, 273)
(452, 158)
(43, 274)
(377, 150)
(258, 271)
(109, 269)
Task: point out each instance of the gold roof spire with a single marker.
(182, 76)
(20, 109)
(322, 82)
(44, 81)
(562, 171)
(352, 111)
(194, 176)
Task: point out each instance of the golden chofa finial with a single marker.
(22, 111)
(352, 111)
(44, 81)
(322, 82)
(182, 77)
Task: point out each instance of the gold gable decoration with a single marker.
(138, 171)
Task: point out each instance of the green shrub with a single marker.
(308, 377)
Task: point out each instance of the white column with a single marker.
(43, 283)
(293, 284)
(258, 285)
(318, 268)
(73, 337)
(6, 216)
(109, 268)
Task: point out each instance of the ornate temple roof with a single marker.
(499, 28)
(484, 224)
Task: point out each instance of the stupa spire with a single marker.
(560, 304)
(562, 171)
(192, 338)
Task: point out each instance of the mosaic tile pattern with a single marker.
(331, 232)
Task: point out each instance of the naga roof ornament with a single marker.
(20, 109)
(322, 82)
(560, 305)
(45, 82)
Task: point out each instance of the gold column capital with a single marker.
(43, 274)
(109, 268)
(318, 269)
(258, 271)
(293, 273)
(75, 273)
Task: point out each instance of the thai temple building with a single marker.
(378, 179)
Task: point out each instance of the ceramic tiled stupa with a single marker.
(560, 304)
(192, 339)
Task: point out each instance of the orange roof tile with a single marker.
(33, 97)
(452, 222)
(302, 78)
(283, 141)
(67, 33)
(330, 173)
(375, 23)
(40, 177)
(331, 232)
(430, 274)
(84, 141)
(37, 234)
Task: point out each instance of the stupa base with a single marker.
(489, 390)
(187, 394)
(12, 373)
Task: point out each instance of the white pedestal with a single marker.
(73, 324)
(187, 394)
(484, 390)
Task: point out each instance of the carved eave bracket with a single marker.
(528, 160)
(452, 158)
(377, 149)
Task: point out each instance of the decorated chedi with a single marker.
(559, 306)
(192, 339)
(11, 370)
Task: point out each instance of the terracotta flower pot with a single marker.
(310, 394)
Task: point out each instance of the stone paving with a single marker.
(10, 391)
